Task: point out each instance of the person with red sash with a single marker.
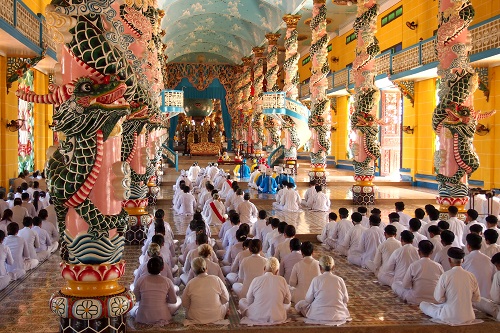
(215, 211)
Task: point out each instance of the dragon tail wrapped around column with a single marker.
(454, 118)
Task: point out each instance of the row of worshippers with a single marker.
(417, 259)
(23, 249)
(288, 199)
(267, 278)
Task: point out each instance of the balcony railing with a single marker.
(484, 37)
(22, 23)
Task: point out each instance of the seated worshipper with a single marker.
(226, 187)
(384, 250)
(477, 229)
(289, 260)
(435, 238)
(479, 264)
(250, 268)
(320, 202)
(283, 248)
(270, 233)
(326, 299)
(241, 236)
(37, 203)
(205, 195)
(394, 220)
(352, 240)
(310, 192)
(247, 210)
(303, 273)
(182, 177)
(433, 219)
(20, 253)
(205, 297)
(46, 246)
(186, 203)
(370, 240)
(441, 257)
(268, 298)
(243, 170)
(252, 182)
(399, 261)
(31, 239)
(277, 239)
(277, 204)
(268, 183)
(6, 219)
(259, 225)
(232, 274)
(193, 171)
(456, 226)
(421, 277)
(229, 236)
(5, 258)
(205, 251)
(220, 178)
(50, 228)
(491, 238)
(365, 221)
(455, 292)
(154, 250)
(492, 305)
(267, 229)
(414, 226)
(377, 212)
(155, 295)
(492, 223)
(3, 204)
(201, 239)
(404, 218)
(290, 200)
(10, 200)
(19, 212)
(336, 238)
(471, 216)
(236, 200)
(178, 191)
(328, 229)
(25, 197)
(230, 195)
(420, 214)
(215, 211)
(428, 209)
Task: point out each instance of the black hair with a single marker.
(27, 221)
(447, 237)
(374, 220)
(434, 229)
(415, 224)
(155, 265)
(491, 235)
(419, 213)
(356, 217)
(391, 230)
(307, 248)
(332, 216)
(262, 214)
(295, 244)
(407, 236)
(425, 247)
(289, 231)
(474, 241)
(158, 239)
(473, 214)
(344, 213)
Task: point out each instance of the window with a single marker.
(395, 48)
(350, 38)
(392, 16)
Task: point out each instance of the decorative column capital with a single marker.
(258, 51)
(272, 38)
(291, 20)
(247, 61)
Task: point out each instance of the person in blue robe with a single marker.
(268, 185)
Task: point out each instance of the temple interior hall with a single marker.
(106, 105)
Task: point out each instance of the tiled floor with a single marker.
(24, 304)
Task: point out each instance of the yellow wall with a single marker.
(339, 138)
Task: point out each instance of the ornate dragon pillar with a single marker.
(454, 118)
(272, 125)
(364, 123)
(236, 117)
(258, 84)
(320, 118)
(291, 68)
(246, 104)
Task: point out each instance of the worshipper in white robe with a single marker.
(154, 250)
(247, 210)
(399, 261)
(226, 187)
(186, 204)
(232, 252)
(230, 196)
(328, 229)
(283, 248)
(3, 204)
(414, 226)
(491, 238)
(50, 228)
(25, 197)
(20, 253)
(215, 211)
(6, 219)
(5, 258)
(205, 251)
(253, 178)
(303, 273)
(404, 218)
(289, 260)
(183, 177)
(394, 220)
(204, 195)
(421, 277)
(232, 275)
(267, 299)
(435, 238)
(310, 192)
(320, 202)
(432, 219)
(19, 212)
(275, 241)
(219, 179)
(441, 257)
(201, 239)
(236, 201)
(277, 204)
(492, 305)
(492, 223)
(205, 297)
(456, 226)
(229, 236)
(156, 297)
(365, 221)
(479, 264)
(31, 239)
(352, 240)
(46, 246)
(335, 240)
(270, 234)
(455, 292)
(250, 268)
(193, 171)
(259, 225)
(370, 240)
(326, 299)
(290, 201)
(384, 251)
(471, 216)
